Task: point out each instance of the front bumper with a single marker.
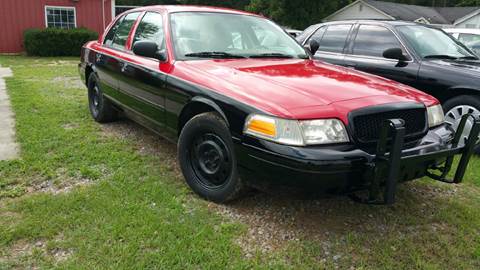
(347, 169)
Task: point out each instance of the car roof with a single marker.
(190, 8)
(463, 30)
(380, 22)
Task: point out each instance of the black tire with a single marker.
(207, 158)
(463, 100)
(100, 107)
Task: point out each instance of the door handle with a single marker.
(123, 66)
(98, 57)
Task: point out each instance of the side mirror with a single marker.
(395, 53)
(312, 46)
(149, 49)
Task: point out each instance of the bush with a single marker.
(56, 41)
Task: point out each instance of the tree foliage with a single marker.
(292, 13)
(296, 14)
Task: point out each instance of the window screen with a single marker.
(60, 17)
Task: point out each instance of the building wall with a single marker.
(18, 15)
(357, 11)
(473, 22)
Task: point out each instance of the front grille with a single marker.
(366, 127)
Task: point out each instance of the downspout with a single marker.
(103, 13)
(113, 15)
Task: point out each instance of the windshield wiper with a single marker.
(271, 55)
(468, 58)
(214, 55)
(441, 56)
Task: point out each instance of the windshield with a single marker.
(221, 35)
(433, 43)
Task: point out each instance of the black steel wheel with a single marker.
(210, 160)
(207, 158)
(101, 108)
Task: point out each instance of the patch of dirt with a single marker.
(70, 126)
(65, 186)
(60, 63)
(69, 82)
(8, 216)
(25, 249)
(145, 142)
(273, 221)
(62, 183)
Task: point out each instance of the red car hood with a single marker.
(295, 88)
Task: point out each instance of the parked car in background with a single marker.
(468, 36)
(242, 109)
(293, 32)
(414, 54)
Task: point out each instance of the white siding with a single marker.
(473, 22)
(357, 11)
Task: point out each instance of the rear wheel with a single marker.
(101, 108)
(207, 158)
(456, 107)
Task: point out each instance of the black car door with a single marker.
(114, 45)
(107, 65)
(366, 54)
(332, 40)
(141, 77)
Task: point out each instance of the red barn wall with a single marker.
(18, 15)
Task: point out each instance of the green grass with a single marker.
(136, 213)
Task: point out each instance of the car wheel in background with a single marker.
(455, 107)
(207, 158)
(101, 108)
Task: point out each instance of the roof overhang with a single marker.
(466, 17)
(354, 3)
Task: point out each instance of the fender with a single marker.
(461, 90)
(208, 102)
(474, 88)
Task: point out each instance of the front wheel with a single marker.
(207, 159)
(455, 108)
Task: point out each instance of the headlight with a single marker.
(294, 132)
(435, 115)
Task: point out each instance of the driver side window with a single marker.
(151, 28)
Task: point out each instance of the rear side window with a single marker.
(151, 28)
(109, 37)
(117, 36)
(334, 38)
(306, 33)
(373, 40)
(318, 35)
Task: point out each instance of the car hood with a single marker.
(288, 86)
(468, 67)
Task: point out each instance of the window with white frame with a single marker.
(60, 17)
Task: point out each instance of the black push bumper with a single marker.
(343, 169)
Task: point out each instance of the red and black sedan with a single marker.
(247, 105)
